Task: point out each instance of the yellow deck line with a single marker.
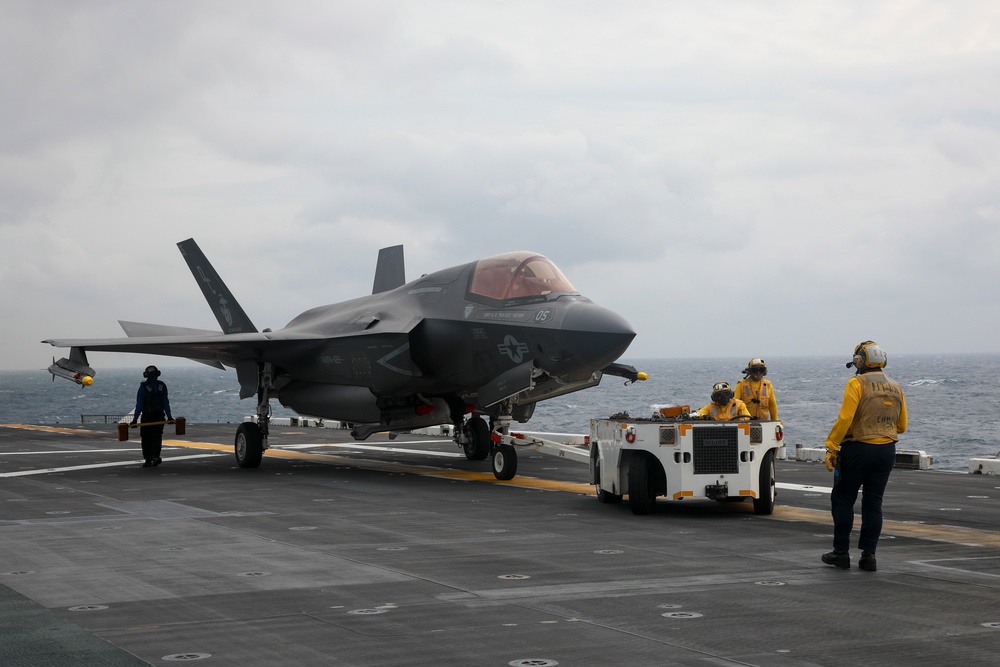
(370, 464)
(935, 532)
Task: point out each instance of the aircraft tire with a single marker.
(765, 504)
(607, 497)
(640, 493)
(477, 432)
(249, 445)
(504, 462)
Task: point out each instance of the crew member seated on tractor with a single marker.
(756, 392)
(724, 407)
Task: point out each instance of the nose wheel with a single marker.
(502, 454)
(504, 462)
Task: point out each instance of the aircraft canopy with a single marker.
(517, 274)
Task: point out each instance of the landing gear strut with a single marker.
(251, 439)
(479, 441)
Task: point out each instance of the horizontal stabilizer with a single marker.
(227, 311)
(389, 272)
(143, 330)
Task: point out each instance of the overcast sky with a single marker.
(736, 178)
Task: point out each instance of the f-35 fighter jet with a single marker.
(486, 339)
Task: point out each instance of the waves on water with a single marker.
(952, 400)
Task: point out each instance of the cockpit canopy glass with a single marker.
(516, 275)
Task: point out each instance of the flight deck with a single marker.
(403, 552)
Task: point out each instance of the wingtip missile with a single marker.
(73, 369)
(630, 374)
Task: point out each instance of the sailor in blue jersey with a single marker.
(861, 452)
(153, 404)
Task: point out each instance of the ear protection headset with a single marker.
(868, 355)
(151, 372)
(756, 364)
(721, 392)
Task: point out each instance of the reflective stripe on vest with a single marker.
(761, 410)
(732, 410)
(878, 409)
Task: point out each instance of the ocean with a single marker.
(952, 400)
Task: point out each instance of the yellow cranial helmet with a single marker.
(722, 393)
(868, 355)
(756, 364)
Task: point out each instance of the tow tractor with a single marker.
(684, 459)
(669, 454)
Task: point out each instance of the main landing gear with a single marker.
(251, 439)
(476, 439)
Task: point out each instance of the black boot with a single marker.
(867, 562)
(840, 559)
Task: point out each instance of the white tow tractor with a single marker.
(684, 459)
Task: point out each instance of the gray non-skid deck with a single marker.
(405, 553)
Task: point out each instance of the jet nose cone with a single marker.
(585, 316)
(600, 335)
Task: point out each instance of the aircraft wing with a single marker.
(218, 350)
(227, 348)
(209, 347)
(301, 349)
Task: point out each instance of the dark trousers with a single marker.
(151, 437)
(860, 465)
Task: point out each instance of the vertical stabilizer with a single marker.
(227, 311)
(389, 272)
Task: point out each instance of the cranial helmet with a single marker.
(722, 393)
(756, 364)
(867, 356)
(151, 372)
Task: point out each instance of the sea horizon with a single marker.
(952, 399)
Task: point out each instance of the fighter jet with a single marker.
(487, 339)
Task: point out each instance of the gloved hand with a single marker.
(134, 422)
(831, 459)
(169, 418)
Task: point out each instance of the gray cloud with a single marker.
(736, 178)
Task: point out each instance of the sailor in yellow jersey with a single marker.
(756, 392)
(723, 406)
(861, 451)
